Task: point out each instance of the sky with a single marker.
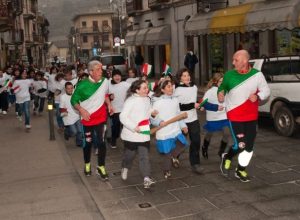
(60, 13)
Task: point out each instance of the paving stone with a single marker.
(201, 190)
(282, 206)
(116, 194)
(164, 186)
(279, 177)
(286, 217)
(272, 166)
(112, 207)
(137, 214)
(230, 199)
(187, 207)
(151, 198)
(296, 168)
(272, 192)
(234, 213)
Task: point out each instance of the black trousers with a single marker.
(194, 134)
(115, 128)
(244, 134)
(97, 132)
(4, 101)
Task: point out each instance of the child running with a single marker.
(136, 130)
(169, 140)
(117, 90)
(186, 92)
(216, 119)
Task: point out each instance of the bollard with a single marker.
(51, 119)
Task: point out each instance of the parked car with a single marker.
(283, 77)
(115, 59)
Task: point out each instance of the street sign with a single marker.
(117, 40)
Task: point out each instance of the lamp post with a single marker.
(51, 119)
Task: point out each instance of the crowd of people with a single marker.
(98, 107)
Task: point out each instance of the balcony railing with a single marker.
(157, 3)
(29, 11)
(134, 6)
(87, 30)
(28, 38)
(18, 36)
(17, 7)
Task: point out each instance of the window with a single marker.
(115, 60)
(282, 71)
(95, 25)
(84, 39)
(105, 23)
(83, 24)
(96, 38)
(105, 37)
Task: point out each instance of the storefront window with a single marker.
(249, 41)
(288, 42)
(216, 53)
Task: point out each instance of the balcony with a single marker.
(134, 7)
(158, 4)
(18, 36)
(88, 30)
(106, 28)
(38, 39)
(5, 21)
(29, 11)
(28, 38)
(17, 7)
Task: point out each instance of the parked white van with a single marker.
(283, 77)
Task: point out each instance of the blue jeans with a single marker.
(59, 120)
(75, 130)
(25, 107)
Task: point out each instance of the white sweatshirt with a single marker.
(167, 107)
(212, 97)
(187, 95)
(71, 115)
(119, 91)
(136, 109)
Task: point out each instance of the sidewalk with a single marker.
(37, 177)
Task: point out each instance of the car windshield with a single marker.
(114, 60)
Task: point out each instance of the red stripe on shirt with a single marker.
(248, 111)
(97, 117)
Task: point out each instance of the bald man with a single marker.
(241, 90)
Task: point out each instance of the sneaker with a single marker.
(17, 114)
(27, 126)
(204, 152)
(102, 172)
(225, 165)
(96, 151)
(124, 173)
(148, 182)
(4, 112)
(175, 162)
(242, 175)
(20, 118)
(113, 146)
(197, 169)
(87, 170)
(167, 174)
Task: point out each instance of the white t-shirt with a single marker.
(131, 80)
(21, 88)
(37, 85)
(119, 90)
(72, 115)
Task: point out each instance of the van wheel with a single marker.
(284, 121)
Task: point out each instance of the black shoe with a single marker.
(204, 152)
(242, 176)
(197, 169)
(102, 173)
